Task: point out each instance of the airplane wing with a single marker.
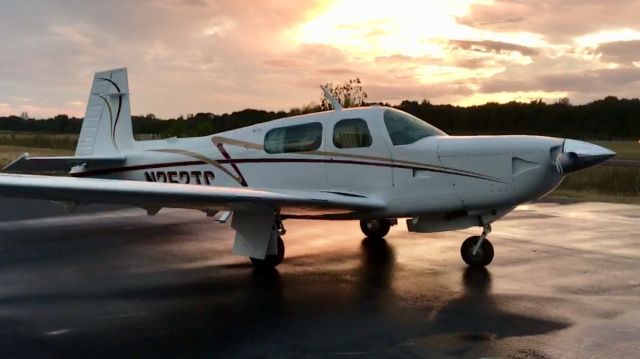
(28, 164)
(153, 195)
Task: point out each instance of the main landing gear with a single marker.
(272, 260)
(375, 228)
(477, 251)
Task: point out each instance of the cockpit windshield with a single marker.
(404, 128)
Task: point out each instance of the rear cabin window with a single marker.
(298, 138)
(351, 133)
(404, 128)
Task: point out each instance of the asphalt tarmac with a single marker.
(565, 283)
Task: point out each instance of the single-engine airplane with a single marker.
(373, 164)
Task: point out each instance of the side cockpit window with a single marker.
(404, 128)
(297, 138)
(351, 133)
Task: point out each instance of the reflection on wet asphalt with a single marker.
(120, 284)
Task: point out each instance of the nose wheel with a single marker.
(477, 251)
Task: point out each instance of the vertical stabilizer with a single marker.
(107, 128)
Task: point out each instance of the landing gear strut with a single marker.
(375, 228)
(272, 260)
(477, 251)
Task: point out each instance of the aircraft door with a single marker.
(359, 157)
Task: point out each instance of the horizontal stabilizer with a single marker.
(27, 164)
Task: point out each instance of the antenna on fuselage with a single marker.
(334, 101)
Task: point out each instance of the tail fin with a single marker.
(107, 128)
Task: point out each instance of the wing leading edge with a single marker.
(175, 195)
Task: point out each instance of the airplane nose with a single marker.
(577, 155)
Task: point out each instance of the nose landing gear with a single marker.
(477, 251)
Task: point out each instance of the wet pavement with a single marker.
(565, 283)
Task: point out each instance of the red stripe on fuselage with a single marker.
(107, 171)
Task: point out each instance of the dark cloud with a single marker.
(413, 91)
(472, 63)
(604, 81)
(558, 20)
(398, 62)
(493, 46)
(336, 71)
(624, 52)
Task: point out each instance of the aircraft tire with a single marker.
(375, 228)
(271, 260)
(482, 258)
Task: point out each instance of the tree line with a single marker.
(608, 118)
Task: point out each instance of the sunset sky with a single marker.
(187, 56)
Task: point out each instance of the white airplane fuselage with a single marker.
(445, 178)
